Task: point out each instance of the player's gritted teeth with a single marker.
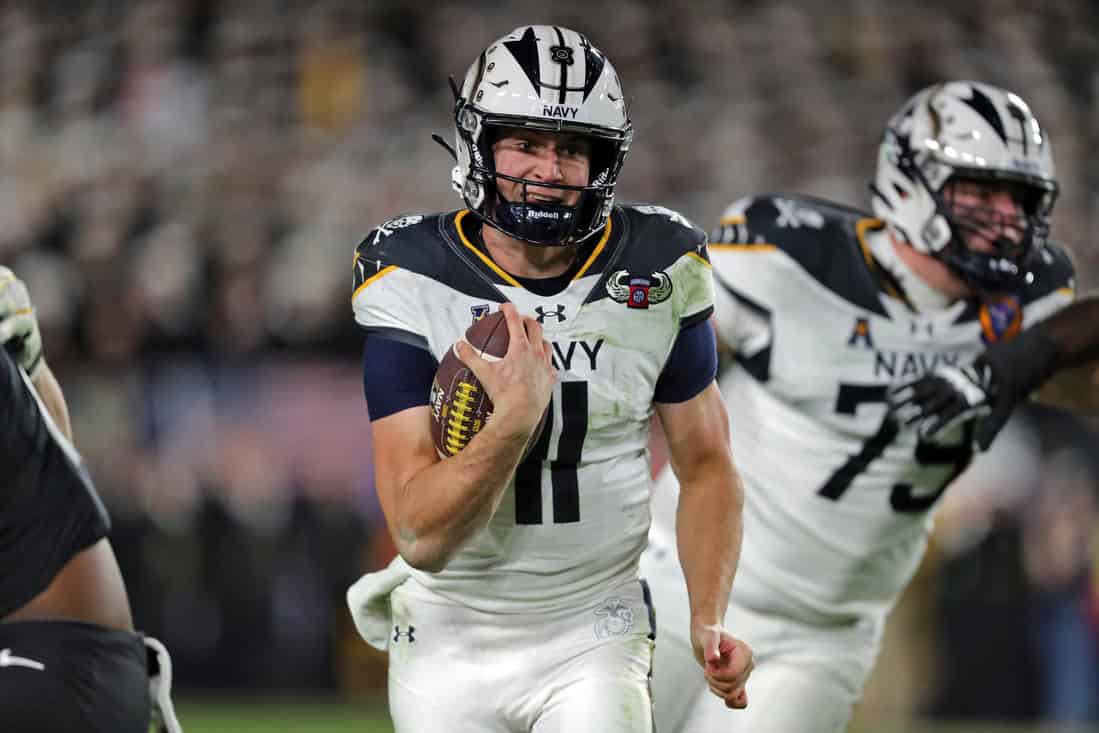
(537, 198)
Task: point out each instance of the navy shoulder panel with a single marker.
(826, 239)
(1053, 271)
(655, 237)
(423, 244)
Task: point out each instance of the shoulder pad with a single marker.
(785, 221)
(1054, 271)
(825, 239)
(663, 235)
(418, 243)
(399, 238)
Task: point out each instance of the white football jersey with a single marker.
(575, 519)
(838, 498)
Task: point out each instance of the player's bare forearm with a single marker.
(1071, 337)
(53, 398)
(708, 518)
(1075, 388)
(708, 534)
(434, 506)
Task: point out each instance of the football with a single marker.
(459, 405)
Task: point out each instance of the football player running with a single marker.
(515, 604)
(825, 310)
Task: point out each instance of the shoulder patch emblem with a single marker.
(639, 291)
(1001, 318)
(479, 311)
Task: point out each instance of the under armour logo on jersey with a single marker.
(543, 314)
(639, 291)
(409, 634)
(792, 217)
(7, 659)
(479, 311)
(615, 618)
(860, 335)
(928, 327)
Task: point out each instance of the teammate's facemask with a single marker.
(967, 131)
(1012, 237)
(549, 79)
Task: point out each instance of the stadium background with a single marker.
(182, 186)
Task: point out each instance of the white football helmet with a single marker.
(550, 79)
(976, 132)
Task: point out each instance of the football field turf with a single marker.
(277, 716)
(291, 716)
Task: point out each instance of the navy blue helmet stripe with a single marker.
(981, 103)
(525, 51)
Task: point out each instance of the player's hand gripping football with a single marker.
(18, 325)
(521, 383)
(726, 662)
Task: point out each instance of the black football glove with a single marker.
(985, 392)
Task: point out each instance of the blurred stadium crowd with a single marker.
(183, 183)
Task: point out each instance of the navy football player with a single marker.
(69, 657)
(825, 309)
(516, 604)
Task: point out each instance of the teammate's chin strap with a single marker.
(916, 293)
(160, 687)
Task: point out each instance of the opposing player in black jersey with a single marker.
(69, 657)
(826, 310)
(516, 604)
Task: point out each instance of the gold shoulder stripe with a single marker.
(376, 276)
(757, 247)
(595, 252)
(483, 257)
(1066, 290)
(862, 226)
(728, 220)
(700, 258)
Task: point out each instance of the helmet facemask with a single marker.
(1015, 239)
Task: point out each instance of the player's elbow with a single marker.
(426, 562)
(422, 553)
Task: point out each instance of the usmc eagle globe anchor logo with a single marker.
(613, 618)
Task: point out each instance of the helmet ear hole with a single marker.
(937, 233)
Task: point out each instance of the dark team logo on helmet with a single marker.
(561, 54)
(639, 291)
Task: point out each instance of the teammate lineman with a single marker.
(826, 309)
